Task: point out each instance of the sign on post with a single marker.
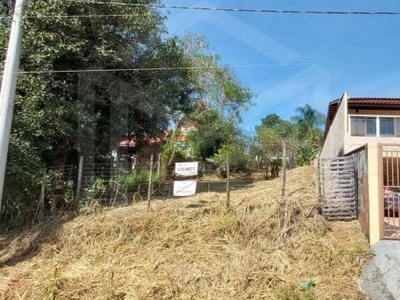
(185, 188)
(187, 169)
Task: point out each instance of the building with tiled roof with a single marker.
(353, 122)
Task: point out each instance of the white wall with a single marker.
(334, 142)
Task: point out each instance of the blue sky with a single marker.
(312, 58)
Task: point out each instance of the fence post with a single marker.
(79, 184)
(42, 192)
(284, 169)
(228, 189)
(150, 179)
(135, 165)
(159, 166)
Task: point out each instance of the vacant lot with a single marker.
(265, 247)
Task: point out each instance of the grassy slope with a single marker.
(264, 248)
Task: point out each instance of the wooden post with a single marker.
(159, 166)
(228, 189)
(135, 166)
(284, 169)
(41, 199)
(150, 179)
(79, 185)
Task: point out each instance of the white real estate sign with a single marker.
(185, 188)
(187, 168)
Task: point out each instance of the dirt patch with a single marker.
(264, 247)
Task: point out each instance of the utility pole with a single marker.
(8, 87)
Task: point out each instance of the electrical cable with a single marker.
(241, 9)
(195, 68)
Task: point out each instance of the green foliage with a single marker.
(291, 292)
(238, 158)
(57, 114)
(277, 162)
(305, 154)
(221, 100)
(269, 143)
(282, 128)
(212, 132)
(308, 122)
(172, 151)
(303, 136)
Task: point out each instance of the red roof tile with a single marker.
(374, 101)
(125, 143)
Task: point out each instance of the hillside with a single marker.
(264, 248)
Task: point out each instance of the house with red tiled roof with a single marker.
(153, 146)
(359, 164)
(353, 122)
(129, 147)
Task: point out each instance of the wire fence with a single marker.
(123, 183)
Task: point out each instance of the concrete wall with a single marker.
(375, 191)
(334, 142)
(352, 143)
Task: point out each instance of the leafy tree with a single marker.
(238, 158)
(308, 123)
(60, 114)
(221, 100)
(271, 121)
(269, 146)
(282, 128)
(211, 133)
(302, 135)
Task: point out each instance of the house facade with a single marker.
(367, 129)
(154, 146)
(353, 122)
(127, 149)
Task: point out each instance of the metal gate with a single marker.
(338, 188)
(390, 205)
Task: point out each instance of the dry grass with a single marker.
(264, 248)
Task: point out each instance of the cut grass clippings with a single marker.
(265, 247)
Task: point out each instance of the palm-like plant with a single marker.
(308, 121)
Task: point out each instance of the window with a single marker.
(363, 126)
(371, 126)
(386, 126)
(367, 126)
(357, 126)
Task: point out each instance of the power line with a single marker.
(197, 68)
(79, 16)
(206, 9)
(140, 69)
(242, 9)
(76, 16)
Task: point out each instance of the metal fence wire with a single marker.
(121, 183)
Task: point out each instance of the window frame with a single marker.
(394, 127)
(377, 121)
